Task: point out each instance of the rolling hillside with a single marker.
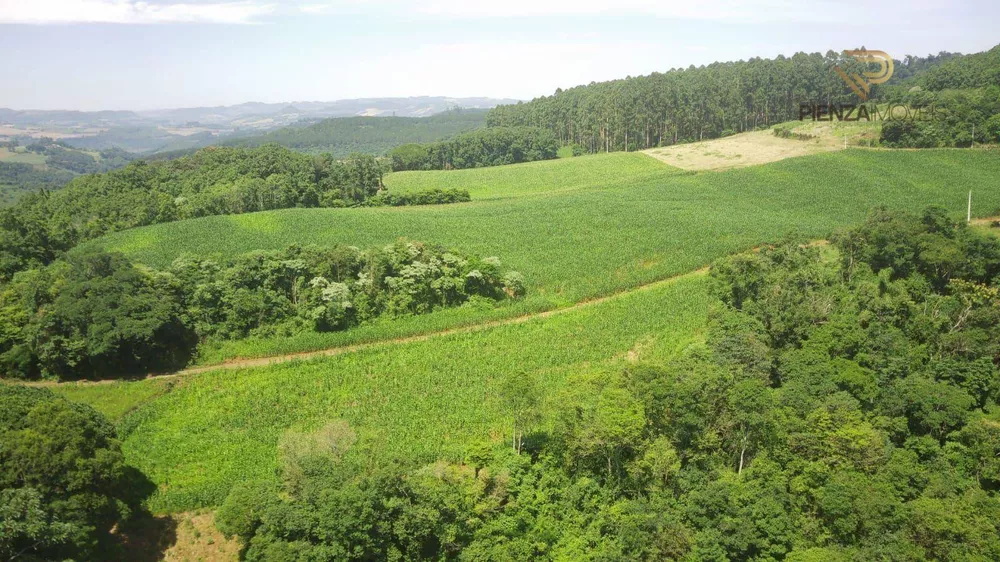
(341, 136)
(584, 239)
(199, 436)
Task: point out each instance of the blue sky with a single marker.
(127, 54)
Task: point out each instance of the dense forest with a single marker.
(977, 70)
(843, 407)
(494, 146)
(20, 178)
(373, 135)
(683, 105)
(962, 118)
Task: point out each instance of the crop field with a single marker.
(546, 176)
(415, 402)
(582, 239)
(114, 399)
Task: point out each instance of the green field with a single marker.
(22, 157)
(549, 176)
(585, 237)
(417, 401)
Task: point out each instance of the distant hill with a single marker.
(374, 135)
(247, 113)
(195, 127)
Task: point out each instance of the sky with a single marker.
(154, 54)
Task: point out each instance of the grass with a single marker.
(586, 239)
(417, 401)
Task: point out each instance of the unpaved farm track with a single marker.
(328, 352)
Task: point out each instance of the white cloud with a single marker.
(131, 11)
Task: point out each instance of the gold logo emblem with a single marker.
(861, 83)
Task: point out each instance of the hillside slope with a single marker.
(584, 240)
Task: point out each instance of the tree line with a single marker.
(965, 95)
(342, 136)
(841, 408)
(723, 98)
(493, 146)
(94, 314)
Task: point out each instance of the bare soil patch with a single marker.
(737, 151)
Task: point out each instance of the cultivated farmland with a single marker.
(585, 239)
(414, 402)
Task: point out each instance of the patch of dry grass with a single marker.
(737, 151)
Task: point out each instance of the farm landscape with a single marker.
(526, 335)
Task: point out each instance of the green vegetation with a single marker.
(961, 118)
(64, 484)
(549, 176)
(495, 146)
(96, 315)
(979, 70)
(417, 401)
(141, 139)
(829, 389)
(600, 237)
(49, 165)
(838, 411)
(212, 181)
(693, 104)
(113, 399)
(433, 196)
(342, 136)
(18, 179)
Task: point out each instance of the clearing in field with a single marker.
(737, 151)
(762, 147)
